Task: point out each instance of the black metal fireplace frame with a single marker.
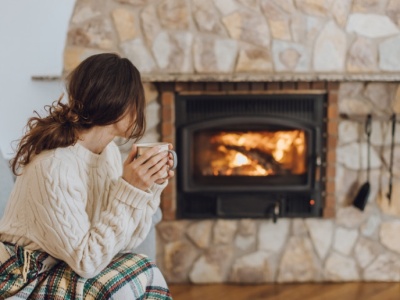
(240, 183)
(265, 199)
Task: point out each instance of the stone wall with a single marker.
(259, 40)
(188, 37)
(353, 246)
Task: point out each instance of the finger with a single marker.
(170, 162)
(149, 153)
(151, 162)
(160, 165)
(170, 147)
(131, 155)
(162, 173)
(162, 180)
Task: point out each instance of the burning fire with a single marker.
(258, 153)
(240, 160)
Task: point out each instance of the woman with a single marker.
(75, 213)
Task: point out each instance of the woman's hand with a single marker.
(170, 172)
(149, 168)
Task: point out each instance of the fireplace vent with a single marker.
(195, 108)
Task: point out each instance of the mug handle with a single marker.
(175, 158)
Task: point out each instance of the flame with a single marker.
(253, 153)
(240, 160)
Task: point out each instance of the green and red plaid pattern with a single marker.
(128, 276)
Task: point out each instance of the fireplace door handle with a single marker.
(275, 211)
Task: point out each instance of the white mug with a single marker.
(143, 147)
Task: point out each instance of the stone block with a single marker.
(224, 231)
(150, 23)
(272, 236)
(179, 256)
(290, 56)
(389, 59)
(321, 233)
(369, 6)
(96, 33)
(341, 268)
(340, 11)
(124, 21)
(207, 17)
(252, 268)
(388, 233)
(344, 240)
(385, 267)
(226, 7)
(363, 56)
(248, 27)
(330, 49)
(299, 262)
(73, 56)
(137, 52)
(174, 14)
(315, 7)
(254, 60)
(366, 251)
(173, 51)
(214, 55)
(200, 233)
(371, 25)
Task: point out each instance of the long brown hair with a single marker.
(102, 89)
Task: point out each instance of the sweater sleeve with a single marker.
(60, 225)
(148, 214)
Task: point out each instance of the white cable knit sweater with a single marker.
(74, 205)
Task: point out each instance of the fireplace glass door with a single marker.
(242, 153)
(259, 153)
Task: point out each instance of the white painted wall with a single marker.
(32, 39)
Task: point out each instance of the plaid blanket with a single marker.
(28, 274)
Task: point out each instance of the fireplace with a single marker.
(251, 156)
(280, 47)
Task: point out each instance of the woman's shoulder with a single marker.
(76, 156)
(57, 154)
(57, 157)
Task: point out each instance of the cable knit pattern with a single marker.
(74, 205)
